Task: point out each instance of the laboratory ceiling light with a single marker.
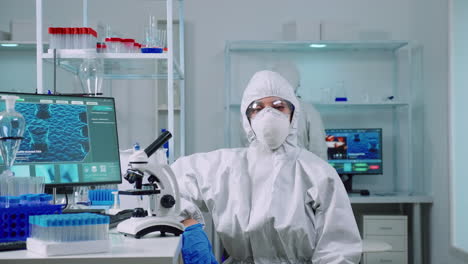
(9, 45)
(318, 45)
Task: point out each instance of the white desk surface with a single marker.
(149, 249)
(376, 198)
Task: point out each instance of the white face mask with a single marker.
(271, 127)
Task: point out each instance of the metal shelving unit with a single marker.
(380, 105)
(303, 46)
(350, 105)
(12, 45)
(119, 66)
(129, 66)
(399, 113)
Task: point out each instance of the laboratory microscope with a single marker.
(164, 198)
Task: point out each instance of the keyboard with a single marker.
(84, 210)
(13, 245)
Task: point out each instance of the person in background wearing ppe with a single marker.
(272, 202)
(311, 133)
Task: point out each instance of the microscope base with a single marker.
(140, 226)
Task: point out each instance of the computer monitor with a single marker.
(69, 140)
(355, 151)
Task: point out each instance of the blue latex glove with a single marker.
(196, 248)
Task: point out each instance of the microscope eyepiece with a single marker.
(159, 142)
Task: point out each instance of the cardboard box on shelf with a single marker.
(339, 31)
(300, 30)
(4, 35)
(25, 30)
(351, 31)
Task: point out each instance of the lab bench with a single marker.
(154, 249)
(149, 249)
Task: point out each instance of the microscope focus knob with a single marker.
(139, 212)
(167, 201)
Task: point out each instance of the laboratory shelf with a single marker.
(317, 46)
(82, 54)
(351, 105)
(130, 66)
(125, 66)
(361, 105)
(11, 45)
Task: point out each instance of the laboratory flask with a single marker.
(91, 75)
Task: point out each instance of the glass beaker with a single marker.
(162, 36)
(151, 33)
(81, 194)
(340, 92)
(91, 75)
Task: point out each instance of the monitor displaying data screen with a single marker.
(355, 151)
(69, 140)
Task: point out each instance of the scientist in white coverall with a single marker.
(271, 202)
(311, 132)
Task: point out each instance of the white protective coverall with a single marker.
(311, 132)
(280, 206)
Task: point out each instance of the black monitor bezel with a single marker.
(381, 150)
(52, 185)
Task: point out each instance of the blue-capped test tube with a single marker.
(106, 227)
(74, 228)
(60, 230)
(98, 228)
(69, 227)
(41, 227)
(82, 227)
(65, 233)
(93, 227)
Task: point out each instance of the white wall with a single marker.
(459, 126)
(430, 26)
(211, 23)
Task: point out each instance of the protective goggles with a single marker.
(279, 104)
